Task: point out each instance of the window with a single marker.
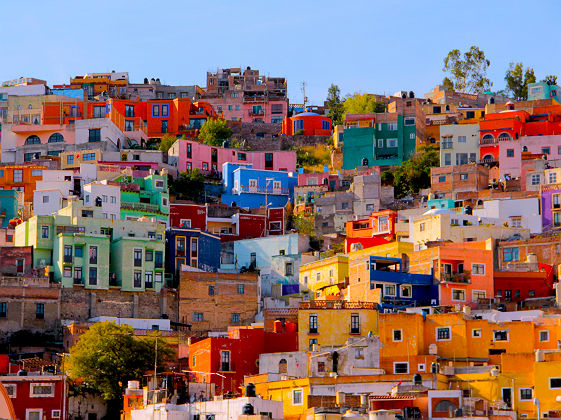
(93, 254)
(18, 175)
(99, 111)
(313, 320)
(383, 224)
(211, 290)
(149, 280)
(546, 150)
(313, 342)
(92, 280)
(67, 271)
(225, 361)
(478, 269)
(42, 390)
(556, 219)
(88, 156)
(409, 121)
(359, 353)
(155, 110)
(11, 389)
(400, 367)
(355, 324)
(32, 140)
(421, 367)
(478, 294)
(463, 177)
(235, 318)
(535, 180)
(129, 110)
(476, 333)
(288, 269)
(509, 152)
(442, 178)
(392, 142)
(525, 394)
(554, 382)
(77, 275)
(552, 177)
(137, 257)
(137, 279)
(198, 316)
(389, 290)
(405, 291)
(544, 336)
(443, 333)
(461, 139)
(158, 259)
(164, 126)
(344, 205)
(459, 294)
(3, 309)
(500, 335)
(397, 335)
(511, 254)
(44, 232)
(297, 396)
(325, 125)
(55, 414)
(56, 138)
(391, 126)
(40, 311)
(94, 135)
(380, 143)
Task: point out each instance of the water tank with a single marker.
(340, 398)
(468, 210)
(22, 372)
(364, 400)
(540, 356)
(417, 379)
(247, 410)
(133, 385)
(532, 258)
(458, 413)
(277, 326)
(433, 349)
(291, 327)
(250, 390)
(411, 94)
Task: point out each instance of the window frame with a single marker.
(400, 363)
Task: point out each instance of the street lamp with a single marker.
(267, 190)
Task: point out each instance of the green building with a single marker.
(385, 143)
(80, 248)
(147, 196)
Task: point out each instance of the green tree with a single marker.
(359, 103)
(448, 83)
(517, 80)
(335, 104)
(550, 79)
(189, 185)
(165, 143)
(414, 173)
(107, 356)
(214, 132)
(468, 73)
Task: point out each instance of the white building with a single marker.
(523, 212)
(105, 195)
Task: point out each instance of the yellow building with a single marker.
(332, 323)
(338, 137)
(330, 272)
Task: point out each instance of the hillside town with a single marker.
(221, 252)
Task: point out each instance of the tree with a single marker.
(448, 83)
(335, 104)
(414, 173)
(359, 103)
(468, 74)
(214, 132)
(517, 80)
(189, 185)
(165, 143)
(107, 356)
(550, 79)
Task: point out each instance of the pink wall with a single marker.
(511, 165)
(244, 108)
(22, 132)
(202, 153)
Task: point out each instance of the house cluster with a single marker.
(288, 290)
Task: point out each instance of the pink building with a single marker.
(510, 152)
(319, 178)
(187, 154)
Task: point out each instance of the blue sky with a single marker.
(372, 46)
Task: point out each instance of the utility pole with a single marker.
(304, 93)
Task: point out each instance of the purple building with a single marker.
(550, 197)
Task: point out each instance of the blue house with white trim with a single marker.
(254, 188)
(401, 289)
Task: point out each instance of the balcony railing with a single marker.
(263, 190)
(457, 277)
(487, 141)
(337, 304)
(152, 208)
(256, 112)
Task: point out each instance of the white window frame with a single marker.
(443, 328)
(478, 291)
(28, 411)
(391, 142)
(421, 367)
(298, 390)
(473, 333)
(501, 341)
(33, 384)
(477, 264)
(55, 414)
(186, 222)
(458, 300)
(401, 363)
(406, 286)
(15, 389)
(540, 336)
(390, 294)
(380, 143)
(400, 335)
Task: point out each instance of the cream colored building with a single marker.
(459, 144)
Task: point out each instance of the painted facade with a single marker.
(307, 123)
(459, 144)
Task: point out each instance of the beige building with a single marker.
(459, 144)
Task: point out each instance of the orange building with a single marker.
(21, 178)
(463, 270)
(377, 229)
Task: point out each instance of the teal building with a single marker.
(384, 144)
(144, 197)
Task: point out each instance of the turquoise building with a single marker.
(542, 90)
(147, 196)
(8, 206)
(384, 144)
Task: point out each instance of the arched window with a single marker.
(283, 366)
(504, 137)
(33, 140)
(488, 138)
(488, 158)
(56, 138)
(445, 406)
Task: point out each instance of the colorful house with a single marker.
(307, 123)
(144, 197)
(459, 144)
(187, 155)
(328, 273)
(377, 229)
(254, 188)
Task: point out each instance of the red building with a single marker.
(42, 397)
(517, 286)
(311, 123)
(377, 229)
(225, 361)
(231, 224)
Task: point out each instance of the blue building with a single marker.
(398, 288)
(254, 188)
(8, 206)
(193, 247)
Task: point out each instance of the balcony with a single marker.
(67, 259)
(151, 208)
(487, 141)
(256, 112)
(263, 190)
(456, 277)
